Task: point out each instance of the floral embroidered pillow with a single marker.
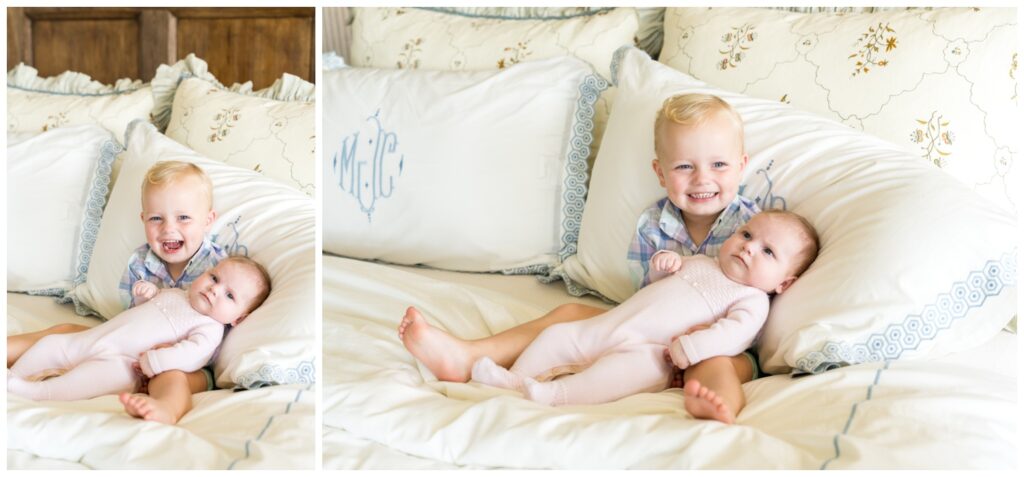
(37, 104)
(940, 83)
(271, 131)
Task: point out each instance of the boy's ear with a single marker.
(212, 216)
(743, 161)
(142, 217)
(656, 165)
(784, 285)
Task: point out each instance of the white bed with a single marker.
(267, 428)
(384, 410)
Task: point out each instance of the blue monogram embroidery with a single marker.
(232, 247)
(371, 175)
(769, 200)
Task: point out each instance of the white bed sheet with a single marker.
(384, 410)
(268, 428)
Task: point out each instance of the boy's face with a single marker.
(225, 292)
(700, 166)
(176, 218)
(763, 253)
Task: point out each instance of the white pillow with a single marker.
(478, 171)
(912, 262)
(258, 217)
(69, 99)
(414, 38)
(271, 131)
(56, 188)
(941, 83)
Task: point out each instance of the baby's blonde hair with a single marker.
(263, 276)
(692, 110)
(170, 172)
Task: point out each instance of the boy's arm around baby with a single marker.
(187, 355)
(728, 336)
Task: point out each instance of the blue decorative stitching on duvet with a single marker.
(853, 412)
(991, 280)
(269, 375)
(270, 420)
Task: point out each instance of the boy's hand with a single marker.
(666, 262)
(143, 291)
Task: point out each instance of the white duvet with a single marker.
(383, 410)
(268, 428)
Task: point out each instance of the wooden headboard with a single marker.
(239, 44)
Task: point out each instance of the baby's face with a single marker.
(176, 217)
(700, 166)
(763, 253)
(226, 291)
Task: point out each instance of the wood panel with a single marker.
(239, 44)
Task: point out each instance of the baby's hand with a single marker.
(667, 262)
(143, 291)
(675, 350)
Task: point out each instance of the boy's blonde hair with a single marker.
(263, 276)
(169, 172)
(812, 243)
(692, 110)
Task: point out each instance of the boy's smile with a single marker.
(176, 218)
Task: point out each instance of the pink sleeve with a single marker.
(730, 335)
(186, 355)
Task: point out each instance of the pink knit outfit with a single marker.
(98, 361)
(621, 352)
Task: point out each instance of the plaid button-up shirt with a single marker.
(144, 264)
(661, 227)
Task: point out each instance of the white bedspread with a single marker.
(268, 428)
(383, 410)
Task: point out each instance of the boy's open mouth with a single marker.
(703, 195)
(172, 246)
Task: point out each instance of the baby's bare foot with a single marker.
(146, 408)
(703, 403)
(448, 357)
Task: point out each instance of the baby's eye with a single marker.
(231, 296)
(214, 278)
(769, 252)
(745, 234)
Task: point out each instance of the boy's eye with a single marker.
(183, 217)
(719, 165)
(684, 166)
(154, 219)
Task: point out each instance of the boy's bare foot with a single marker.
(146, 408)
(703, 403)
(446, 356)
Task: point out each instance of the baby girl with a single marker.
(699, 307)
(101, 360)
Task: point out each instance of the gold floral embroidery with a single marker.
(225, 120)
(869, 51)
(736, 41)
(55, 121)
(517, 54)
(932, 136)
(785, 99)
(407, 58)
